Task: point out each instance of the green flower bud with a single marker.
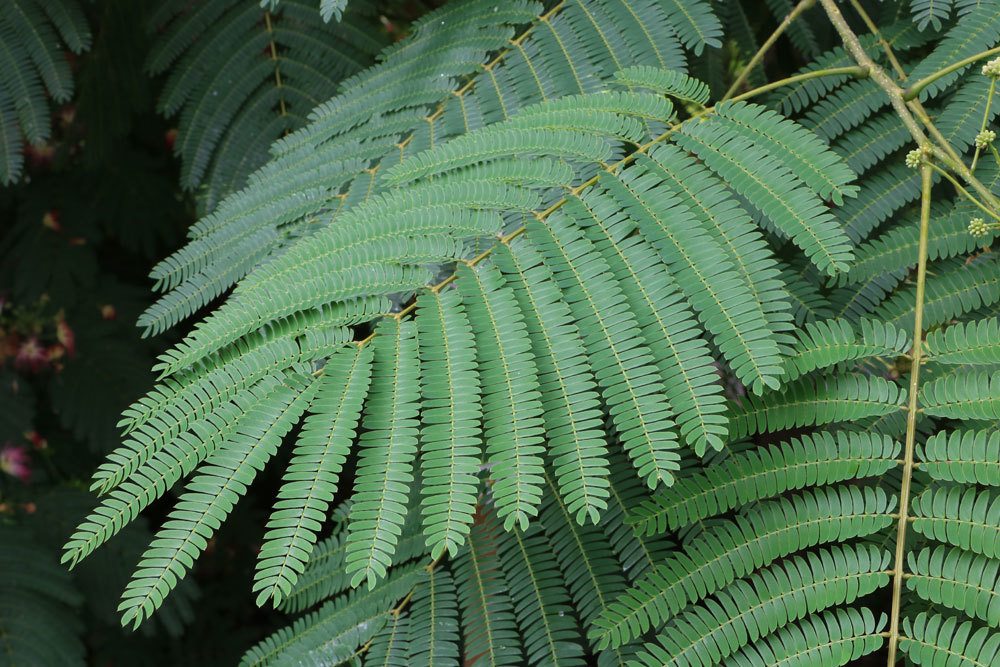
(992, 69)
(978, 228)
(985, 138)
(915, 157)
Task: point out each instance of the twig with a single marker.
(882, 42)
(856, 71)
(911, 417)
(274, 56)
(914, 90)
(965, 193)
(982, 126)
(766, 46)
(878, 75)
(943, 151)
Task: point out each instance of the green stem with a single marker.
(886, 48)
(855, 71)
(766, 46)
(986, 118)
(878, 75)
(965, 193)
(911, 417)
(944, 152)
(914, 90)
(908, 112)
(274, 57)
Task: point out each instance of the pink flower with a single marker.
(31, 356)
(14, 461)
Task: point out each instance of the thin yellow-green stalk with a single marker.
(911, 417)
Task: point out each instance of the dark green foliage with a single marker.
(32, 36)
(37, 608)
(257, 73)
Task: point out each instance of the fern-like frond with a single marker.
(957, 579)
(718, 294)
(388, 447)
(963, 396)
(325, 575)
(831, 342)
(770, 599)
(817, 401)
(884, 193)
(434, 626)
(836, 637)
(450, 448)
(801, 32)
(812, 460)
(592, 574)
(795, 97)
(696, 24)
(963, 517)
(809, 304)
(541, 602)
(333, 633)
(512, 407)
(637, 553)
(844, 109)
(964, 456)
(210, 497)
(687, 369)
(240, 77)
(158, 421)
(895, 249)
(668, 82)
(857, 302)
(721, 214)
(786, 202)
(32, 37)
(390, 647)
(621, 362)
(38, 602)
(305, 184)
(801, 152)
(979, 29)
(573, 426)
(870, 144)
(729, 550)
(976, 342)
(541, 279)
(165, 468)
(934, 639)
(312, 477)
(488, 626)
(962, 116)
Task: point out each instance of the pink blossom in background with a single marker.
(14, 460)
(31, 356)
